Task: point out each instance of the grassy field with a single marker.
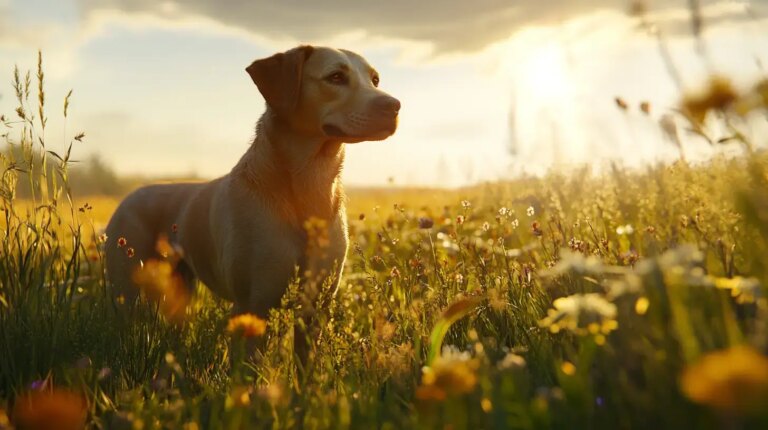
(628, 299)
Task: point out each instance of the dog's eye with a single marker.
(375, 81)
(337, 78)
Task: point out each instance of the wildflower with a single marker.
(568, 368)
(486, 226)
(466, 204)
(452, 373)
(426, 223)
(486, 405)
(504, 212)
(248, 325)
(130, 252)
(515, 223)
(536, 229)
(530, 211)
(733, 381)
(159, 282)
(103, 238)
(581, 314)
(641, 305)
(625, 229)
(121, 242)
(460, 219)
(55, 409)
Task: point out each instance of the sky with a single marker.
(489, 89)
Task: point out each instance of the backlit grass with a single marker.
(628, 299)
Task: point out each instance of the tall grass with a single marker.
(619, 300)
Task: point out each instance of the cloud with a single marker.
(448, 25)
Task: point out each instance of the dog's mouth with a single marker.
(334, 131)
(331, 130)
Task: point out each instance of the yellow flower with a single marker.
(453, 373)
(159, 282)
(733, 381)
(248, 325)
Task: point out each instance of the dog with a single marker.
(244, 234)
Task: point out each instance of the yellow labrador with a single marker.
(244, 234)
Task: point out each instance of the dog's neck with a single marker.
(302, 173)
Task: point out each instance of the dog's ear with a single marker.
(279, 78)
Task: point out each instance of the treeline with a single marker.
(88, 177)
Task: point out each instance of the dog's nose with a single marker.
(386, 104)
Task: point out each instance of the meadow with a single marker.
(619, 299)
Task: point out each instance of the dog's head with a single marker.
(326, 92)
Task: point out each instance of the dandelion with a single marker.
(733, 381)
(530, 211)
(582, 314)
(248, 325)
